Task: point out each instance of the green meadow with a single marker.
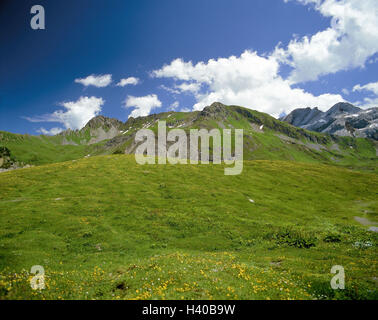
(105, 227)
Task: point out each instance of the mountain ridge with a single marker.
(343, 119)
(265, 138)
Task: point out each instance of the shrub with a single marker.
(294, 238)
(332, 238)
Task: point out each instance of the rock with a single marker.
(99, 128)
(343, 119)
(6, 160)
(300, 117)
(216, 110)
(103, 122)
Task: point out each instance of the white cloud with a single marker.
(189, 87)
(350, 41)
(51, 132)
(98, 81)
(76, 115)
(171, 90)
(175, 105)
(372, 86)
(368, 102)
(249, 80)
(193, 87)
(128, 81)
(254, 81)
(373, 60)
(142, 105)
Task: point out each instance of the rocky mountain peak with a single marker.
(216, 109)
(342, 119)
(342, 107)
(103, 122)
(302, 115)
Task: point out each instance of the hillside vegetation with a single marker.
(106, 228)
(265, 138)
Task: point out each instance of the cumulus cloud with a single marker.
(76, 113)
(169, 89)
(254, 81)
(189, 87)
(372, 86)
(349, 42)
(128, 81)
(372, 100)
(98, 81)
(142, 105)
(193, 87)
(249, 80)
(51, 132)
(367, 103)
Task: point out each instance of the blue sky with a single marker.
(182, 55)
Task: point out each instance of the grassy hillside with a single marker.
(265, 138)
(37, 150)
(107, 228)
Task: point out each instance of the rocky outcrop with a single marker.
(97, 129)
(104, 123)
(343, 119)
(303, 116)
(216, 110)
(6, 160)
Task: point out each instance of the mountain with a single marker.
(343, 119)
(265, 138)
(97, 129)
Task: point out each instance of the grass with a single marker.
(277, 141)
(39, 150)
(107, 228)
